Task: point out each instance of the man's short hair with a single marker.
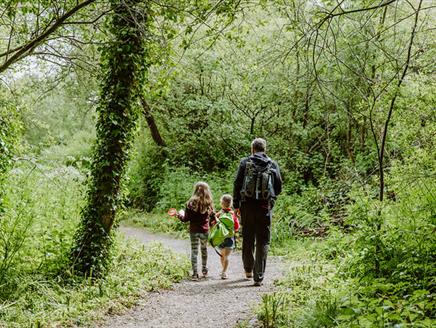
(258, 145)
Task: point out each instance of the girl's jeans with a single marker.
(196, 239)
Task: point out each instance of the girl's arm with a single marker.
(184, 217)
(212, 218)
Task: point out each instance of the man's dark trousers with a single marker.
(256, 234)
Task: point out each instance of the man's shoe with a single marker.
(258, 283)
(248, 275)
(205, 271)
(194, 277)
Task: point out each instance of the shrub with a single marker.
(145, 174)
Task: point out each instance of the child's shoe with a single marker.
(204, 272)
(224, 275)
(194, 277)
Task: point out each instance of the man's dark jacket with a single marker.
(260, 160)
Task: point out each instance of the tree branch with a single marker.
(345, 12)
(27, 48)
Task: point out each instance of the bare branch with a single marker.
(381, 5)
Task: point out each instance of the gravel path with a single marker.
(210, 302)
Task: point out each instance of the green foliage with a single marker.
(57, 117)
(155, 183)
(145, 174)
(42, 206)
(312, 212)
(10, 129)
(317, 87)
(315, 293)
(402, 251)
(272, 310)
(16, 219)
(374, 276)
(74, 301)
(178, 185)
(77, 152)
(42, 211)
(304, 297)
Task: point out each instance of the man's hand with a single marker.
(238, 212)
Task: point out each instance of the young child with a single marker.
(199, 211)
(228, 244)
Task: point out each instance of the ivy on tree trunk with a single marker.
(123, 67)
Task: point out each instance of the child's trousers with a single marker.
(198, 238)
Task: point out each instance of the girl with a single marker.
(199, 210)
(228, 244)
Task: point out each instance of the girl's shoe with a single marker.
(204, 272)
(224, 275)
(194, 277)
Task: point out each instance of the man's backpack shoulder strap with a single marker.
(249, 165)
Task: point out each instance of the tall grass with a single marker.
(42, 209)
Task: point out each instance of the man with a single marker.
(256, 187)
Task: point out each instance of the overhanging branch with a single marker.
(26, 49)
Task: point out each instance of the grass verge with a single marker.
(155, 222)
(65, 302)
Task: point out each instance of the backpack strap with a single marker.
(217, 252)
(267, 187)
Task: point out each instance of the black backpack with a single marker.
(258, 181)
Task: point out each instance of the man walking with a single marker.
(256, 187)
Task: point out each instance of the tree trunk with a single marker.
(123, 66)
(154, 130)
(381, 152)
(349, 144)
(392, 104)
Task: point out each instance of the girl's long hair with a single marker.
(201, 199)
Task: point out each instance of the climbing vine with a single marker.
(123, 68)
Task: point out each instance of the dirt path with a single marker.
(210, 302)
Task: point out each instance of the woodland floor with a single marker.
(210, 302)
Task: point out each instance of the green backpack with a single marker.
(224, 228)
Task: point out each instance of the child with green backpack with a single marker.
(222, 234)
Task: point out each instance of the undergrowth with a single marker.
(379, 274)
(41, 211)
(42, 301)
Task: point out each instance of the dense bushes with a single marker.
(145, 174)
(161, 177)
(160, 185)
